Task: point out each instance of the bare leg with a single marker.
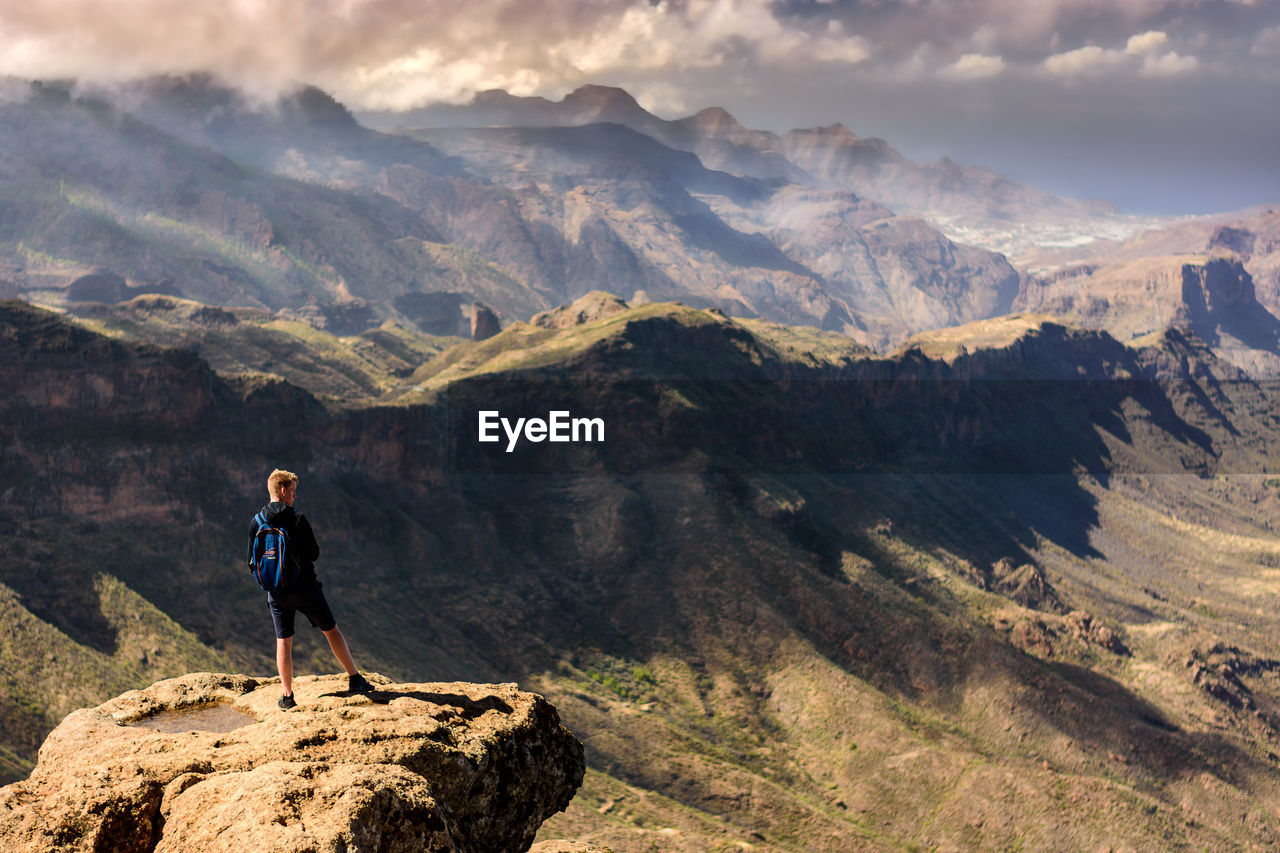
(338, 643)
(284, 662)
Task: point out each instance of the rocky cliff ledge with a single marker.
(410, 767)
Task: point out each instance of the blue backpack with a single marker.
(271, 559)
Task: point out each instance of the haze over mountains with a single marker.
(550, 214)
(589, 193)
(816, 227)
(972, 204)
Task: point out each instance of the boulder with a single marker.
(408, 767)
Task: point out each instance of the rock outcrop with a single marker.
(409, 767)
(594, 306)
(484, 323)
(1211, 295)
(1135, 298)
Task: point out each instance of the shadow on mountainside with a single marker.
(906, 634)
(59, 588)
(723, 523)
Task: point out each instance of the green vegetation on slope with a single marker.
(761, 637)
(347, 369)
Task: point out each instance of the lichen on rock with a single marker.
(409, 767)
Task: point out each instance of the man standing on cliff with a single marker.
(306, 596)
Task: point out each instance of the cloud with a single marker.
(1088, 61)
(973, 66)
(1146, 43)
(1169, 65)
(664, 99)
(1142, 54)
(399, 53)
(1267, 44)
(704, 34)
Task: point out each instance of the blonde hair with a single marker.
(279, 479)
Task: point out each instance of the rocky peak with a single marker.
(484, 323)
(206, 762)
(604, 103)
(309, 105)
(831, 134)
(594, 306)
(501, 98)
(1232, 239)
(716, 121)
(832, 150)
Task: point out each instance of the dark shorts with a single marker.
(306, 598)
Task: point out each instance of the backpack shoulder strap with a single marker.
(253, 542)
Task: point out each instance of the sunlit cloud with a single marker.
(973, 66)
(1169, 65)
(992, 73)
(1143, 54)
(1088, 61)
(1146, 43)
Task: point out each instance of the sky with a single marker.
(1162, 106)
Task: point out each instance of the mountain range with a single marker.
(889, 544)
(300, 206)
(972, 204)
(1007, 585)
(187, 187)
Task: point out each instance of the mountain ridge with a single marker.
(832, 156)
(190, 190)
(749, 625)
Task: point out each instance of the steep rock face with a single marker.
(439, 767)
(484, 323)
(894, 275)
(1253, 239)
(1213, 296)
(44, 364)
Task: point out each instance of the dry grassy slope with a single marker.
(346, 369)
(73, 633)
(895, 711)
(799, 656)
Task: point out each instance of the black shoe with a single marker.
(286, 702)
(357, 684)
